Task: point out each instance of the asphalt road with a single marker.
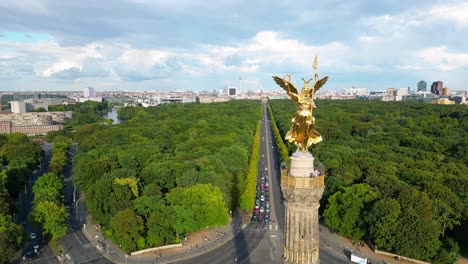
(25, 205)
(78, 249)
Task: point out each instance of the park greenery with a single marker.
(282, 149)
(166, 171)
(19, 157)
(88, 112)
(248, 196)
(396, 173)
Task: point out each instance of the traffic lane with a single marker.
(275, 190)
(78, 247)
(241, 247)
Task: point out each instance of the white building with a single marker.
(355, 91)
(89, 92)
(85, 99)
(18, 107)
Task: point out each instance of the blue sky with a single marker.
(205, 45)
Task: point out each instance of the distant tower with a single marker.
(437, 87)
(422, 86)
(445, 91)
(89, 92)
(240, 83)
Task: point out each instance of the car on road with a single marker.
(262, 198)
(260, 216)
(267, 184)
(33, 235)
(262, 186)
(262, 209)
(30, 255)
(255, 210)
(267, 204)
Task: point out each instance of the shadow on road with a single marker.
(241, 253)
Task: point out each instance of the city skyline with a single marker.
(191, 45)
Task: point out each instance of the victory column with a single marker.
(302, 185)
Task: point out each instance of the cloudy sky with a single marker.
(207, 44)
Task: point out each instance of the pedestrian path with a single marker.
(332, 241)
(196, 244)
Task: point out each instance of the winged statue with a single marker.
(302, 132)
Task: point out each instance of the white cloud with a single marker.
(266, 51)
(457, 13)
(405, 24)
(442, 59)
(366, 39)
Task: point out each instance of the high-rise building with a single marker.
(89, 92)
(18, 107)
(422, 85)
(437, 87)
(230, 90)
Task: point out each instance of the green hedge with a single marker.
(248, 196)
(283, 150)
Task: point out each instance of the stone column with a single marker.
(302, 189)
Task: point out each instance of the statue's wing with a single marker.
(287, 86)
(319, 84)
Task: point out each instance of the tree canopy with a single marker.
(413, 155)
(186, 162)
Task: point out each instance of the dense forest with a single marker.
(396, 173)
(165, 171)
(19, 157)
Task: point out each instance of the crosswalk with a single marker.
(269, 227)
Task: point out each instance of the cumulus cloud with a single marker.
(141, 42)
(457, 13)
(440, 58)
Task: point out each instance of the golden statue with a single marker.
(302, 132)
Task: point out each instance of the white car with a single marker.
(33, 235)
(266, 168)
(262, 198)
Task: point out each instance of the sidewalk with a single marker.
(196, 244)
(334, 241)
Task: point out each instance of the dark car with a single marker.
(30, 255)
